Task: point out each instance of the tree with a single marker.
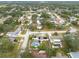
(60, 27)
(6, 45)
(51, 52)
(42, 46)
(72, 42)
(8, 25)
(34, 17)
(26, 54)
(50, 25)
(45, 15)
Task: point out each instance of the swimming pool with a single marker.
(35, 44)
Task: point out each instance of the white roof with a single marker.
(39, 14)
(30, 21)
(72, 29)
(56, 39)
(38, 22)
(53, 17)
(29, 17)
(49, 12)
(62, 21)
(21, 18)
(1, 34)
(42, 51)
(39, 27)
(73, 18)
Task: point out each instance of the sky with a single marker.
(39, 0)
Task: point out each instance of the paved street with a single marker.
(26, 37)
(57, 16)
(48, 32)
(24, 44)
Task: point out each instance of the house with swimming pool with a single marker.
(36, 42)
(38, 39)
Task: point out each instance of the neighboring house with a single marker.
(38, 22)
(40, 10)
(21, 19)
(56, 43)
(29, 17)
(72, 19)
(73, 54)
(53, 17)
(57, 20)
(56, 9)
(77, 14)
(15, 33)
(49, 13)
(67, 24)
(29, 22)
(72, 30)
(39, 15)
(39, 26)
(1, 34)
(12, 34)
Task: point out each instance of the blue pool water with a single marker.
(35, 44)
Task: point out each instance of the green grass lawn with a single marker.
(13, 54)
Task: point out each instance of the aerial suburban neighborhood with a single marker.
(39, 29)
